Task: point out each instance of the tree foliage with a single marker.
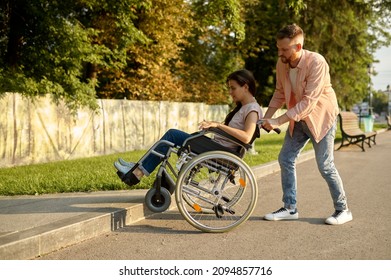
(180, 50)
(213, 49)
(347, 35)
(347, 38)
(149, 70)
(51, 46)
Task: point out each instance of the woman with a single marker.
(240, 123)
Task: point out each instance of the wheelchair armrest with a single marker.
(229, 136)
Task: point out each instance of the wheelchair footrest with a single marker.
(129, 178)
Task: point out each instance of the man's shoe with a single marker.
(339, 217)
(282, 214)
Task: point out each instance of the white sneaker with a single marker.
(339, 217)
(282, 214)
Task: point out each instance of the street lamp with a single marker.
(370, 71)
(388, 101)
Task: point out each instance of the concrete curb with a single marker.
(31, 243)
(44, 239)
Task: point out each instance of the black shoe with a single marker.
(129, 178)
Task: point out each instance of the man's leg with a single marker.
(287, 159)
(324, 152)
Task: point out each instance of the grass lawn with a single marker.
(98, 173)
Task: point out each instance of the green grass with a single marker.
(98, 173)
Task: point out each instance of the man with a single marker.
(303, 84)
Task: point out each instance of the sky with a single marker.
(383, 69)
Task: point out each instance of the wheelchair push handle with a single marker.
(260, 123)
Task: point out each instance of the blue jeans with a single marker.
(324, 153)
(175, 136)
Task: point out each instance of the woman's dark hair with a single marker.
(242, 77)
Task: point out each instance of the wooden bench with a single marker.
(351, 132)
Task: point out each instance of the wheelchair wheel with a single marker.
(216, 191)
(158, 201)
(189, 199)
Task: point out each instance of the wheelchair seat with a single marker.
(202, 144)
(199, 143)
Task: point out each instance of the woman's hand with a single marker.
(207, 124)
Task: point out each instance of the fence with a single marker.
(37, 131)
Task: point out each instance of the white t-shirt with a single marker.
(293, 77)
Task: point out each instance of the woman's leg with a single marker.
(131, 173)
(152, 161)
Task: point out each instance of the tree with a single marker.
(180, 50)
(263, 19)
(380, 102)
(151, 65)
(191, 49)
(346, 36)
(46, 49)
(212, 52)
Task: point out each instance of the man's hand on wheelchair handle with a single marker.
(269, 125)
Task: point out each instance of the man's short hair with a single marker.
(290, 31)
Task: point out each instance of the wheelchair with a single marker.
(215, 190)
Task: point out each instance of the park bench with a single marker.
(351, 132)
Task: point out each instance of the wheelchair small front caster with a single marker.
(158, 201)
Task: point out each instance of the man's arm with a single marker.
(270, 112)
(270, 123)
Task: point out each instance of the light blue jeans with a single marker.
(324, 153)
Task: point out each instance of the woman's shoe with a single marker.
(126, 174)
(126, 163)
(123, 168)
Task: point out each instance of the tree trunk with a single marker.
(17, 19)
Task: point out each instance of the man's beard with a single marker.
(285, 60)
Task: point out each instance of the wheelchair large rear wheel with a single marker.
(216, 191)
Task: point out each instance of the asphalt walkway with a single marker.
(31, 226)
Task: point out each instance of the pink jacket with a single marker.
(316, 102)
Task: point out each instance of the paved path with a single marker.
(117, 225)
